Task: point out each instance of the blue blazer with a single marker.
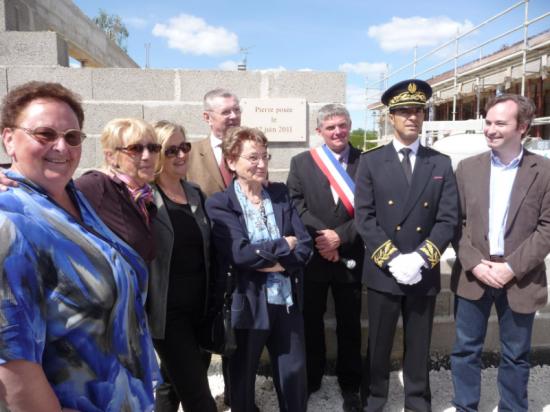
(233, 249)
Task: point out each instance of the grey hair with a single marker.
(214, 94)
(331, 110)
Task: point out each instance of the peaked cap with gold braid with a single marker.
(408, 93)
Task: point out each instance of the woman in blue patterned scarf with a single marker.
(73, 333)
(257, 232)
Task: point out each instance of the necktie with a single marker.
(226, 174)
(406, 163)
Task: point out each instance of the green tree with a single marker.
(113, 27)
(357, 139)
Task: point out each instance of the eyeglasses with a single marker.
(45, 135)
(254, 159)
(227, 112)
(172, 151)
(138, 148)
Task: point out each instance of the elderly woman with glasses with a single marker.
(259, 236)
(73, 332)
(178, 285)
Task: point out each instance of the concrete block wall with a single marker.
(84, 40)
(31, 48)
(177, 95)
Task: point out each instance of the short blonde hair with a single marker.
(123, 132)
(164, 129)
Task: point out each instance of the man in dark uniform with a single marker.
(407, 213)
(320, 182)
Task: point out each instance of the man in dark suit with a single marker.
(505, 206)
(327, 213)
(407, 213)
(205, 165)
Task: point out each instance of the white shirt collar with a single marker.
(398, 145)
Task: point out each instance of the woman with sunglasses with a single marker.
(178, 284)
(120, 193)
(73, 331)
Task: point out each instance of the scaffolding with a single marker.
(459, 72)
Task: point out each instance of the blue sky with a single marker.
(361, 37)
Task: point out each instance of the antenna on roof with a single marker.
(244, 51)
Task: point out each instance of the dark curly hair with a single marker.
(17, 100)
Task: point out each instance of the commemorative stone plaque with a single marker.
(282, 120)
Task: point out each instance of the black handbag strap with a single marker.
(229, 287)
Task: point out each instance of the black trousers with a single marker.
(347, 307)
(417, 313)
(285, 343)
(184, 369)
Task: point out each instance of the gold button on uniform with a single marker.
(418, 229)
(390, 202)
(398, 228)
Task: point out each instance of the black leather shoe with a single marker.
(352, 402)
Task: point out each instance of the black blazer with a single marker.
(394, 218)
(311, 195)
(233, 247)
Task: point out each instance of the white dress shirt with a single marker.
(501, 182)
(216, 144)
(412, 155)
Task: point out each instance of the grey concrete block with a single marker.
(31, 48)
(133, 84)
(3, 82)
(281, 155)
(278, 176)
(98, 114)
(194, 84)
(187, 115)
(4, 158)
(328, 87)
(443, 303)
(76, 79)
(89, 158)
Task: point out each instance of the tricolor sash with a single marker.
(338, 177)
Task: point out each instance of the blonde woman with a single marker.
(120, 193)
(178, 284)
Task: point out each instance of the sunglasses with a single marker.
(138, 148)
(172, 151)
(45, 135)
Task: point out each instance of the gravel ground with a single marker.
(328, 398)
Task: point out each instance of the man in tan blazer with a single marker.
(505, 207)
(205, 166)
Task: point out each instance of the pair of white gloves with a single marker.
(406, 268)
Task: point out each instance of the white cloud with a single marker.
(372, 70)
(355, 97)
(229, 65)
(135, 22)
(274, 69)
(405, 33)
(193, 35)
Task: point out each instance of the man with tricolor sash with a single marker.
(321, 185)
(407, 213)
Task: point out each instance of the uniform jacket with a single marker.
(393, 217)
(230, 237)
(160, 267)
(203, 169)
(311, 195)
(527, 235)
